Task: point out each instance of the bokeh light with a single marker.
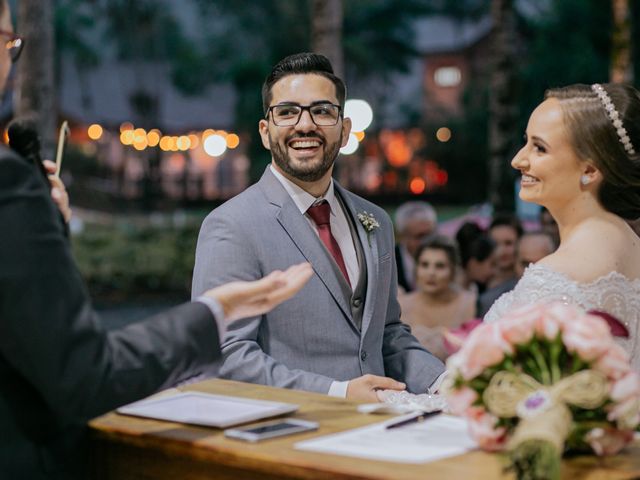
(443, 134)
(360, 113)
(233, 140)
(417, 186)
(351, 146)
(94, 131)
(215, 145)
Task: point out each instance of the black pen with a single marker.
(417, 419)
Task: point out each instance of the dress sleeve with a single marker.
(538, 284)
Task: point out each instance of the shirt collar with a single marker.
(303, 199)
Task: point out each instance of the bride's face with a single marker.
(550, 168)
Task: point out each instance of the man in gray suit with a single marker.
(342, 334)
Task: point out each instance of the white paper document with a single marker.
(206, 409)
(435, 438)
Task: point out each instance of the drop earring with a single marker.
(584, 179)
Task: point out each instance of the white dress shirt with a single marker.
(338, 221)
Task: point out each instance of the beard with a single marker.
(311, 170)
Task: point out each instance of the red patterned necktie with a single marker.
(320, 215)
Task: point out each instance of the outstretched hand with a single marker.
(247, 299)
(58, 191)
(364, 388)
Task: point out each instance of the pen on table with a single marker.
(416, 419)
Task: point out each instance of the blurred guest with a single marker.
(549, 225)
(437, 303)
(477, 253)
(532, 246)
(414, 221)
(505, 230)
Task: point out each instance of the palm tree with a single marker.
(502, 104)
(621, 69)
(35, 92)
(326, 32)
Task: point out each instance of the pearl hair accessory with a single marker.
(614, 116)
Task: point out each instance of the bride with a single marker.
(581, 161)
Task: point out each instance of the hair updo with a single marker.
(594, 138)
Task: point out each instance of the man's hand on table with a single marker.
(364, 388)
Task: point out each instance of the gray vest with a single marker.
(356, 297)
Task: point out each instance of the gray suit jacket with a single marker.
(311, 340)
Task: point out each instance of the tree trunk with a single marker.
(35, 92)
(326, 32)
(621, 71)
(502, 105)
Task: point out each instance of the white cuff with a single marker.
(435, 386)
(216, 311)
(338, 389)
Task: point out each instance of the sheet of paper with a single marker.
(206, 409)
(435, 438)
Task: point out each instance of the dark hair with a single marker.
(507, 220)
(594, 138)
(473, 242)
(440, 242)
(302, 63)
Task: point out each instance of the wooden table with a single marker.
(134, 448)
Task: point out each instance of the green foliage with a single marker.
(570, 43)
(535, 460)
(74, 21)
(125, 261)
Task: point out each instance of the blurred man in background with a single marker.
(532, 247)
(414, 222)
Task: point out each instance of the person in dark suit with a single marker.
(58, 366)
(414, 222)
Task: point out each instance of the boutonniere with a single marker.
(369, 223)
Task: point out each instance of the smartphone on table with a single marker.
(278, 428)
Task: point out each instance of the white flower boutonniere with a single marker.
(369, 223)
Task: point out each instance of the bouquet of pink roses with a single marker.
(543, 379)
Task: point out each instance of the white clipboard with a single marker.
(197, 408)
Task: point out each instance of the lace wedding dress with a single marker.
(613, 293)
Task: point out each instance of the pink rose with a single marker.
(556, 316)
(626, 414)
(460, 399)
(515, 331)
(626, 387)
(484, 347)
(588, 336)
(454, 338)
(614, 363)
(608, 441)
(482, 428)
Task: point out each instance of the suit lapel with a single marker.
(370, 248)
(305, 239)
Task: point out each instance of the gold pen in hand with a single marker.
(416, 419)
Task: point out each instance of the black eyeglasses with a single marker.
(288, 114)
(14, 44)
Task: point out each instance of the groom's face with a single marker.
(304, 151)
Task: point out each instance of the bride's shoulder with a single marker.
(594, 252)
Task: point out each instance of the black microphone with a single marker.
(24, 140)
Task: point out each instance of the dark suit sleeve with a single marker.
(49, 332)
